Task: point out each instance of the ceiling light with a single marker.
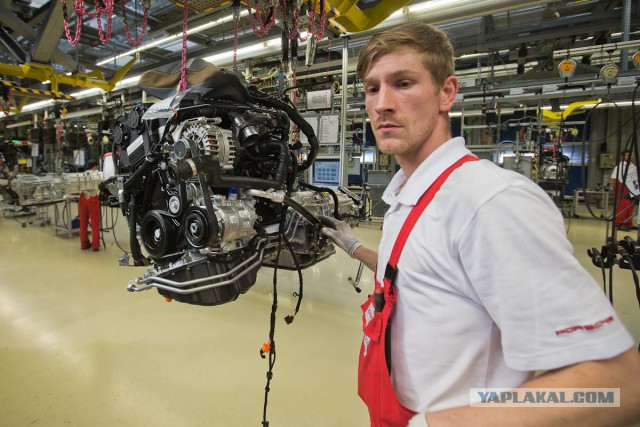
(265, 46)
(37, 105)
(428, 5)
(128, 82)
(171, 38)
(87, 93)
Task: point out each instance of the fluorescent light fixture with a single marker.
(265, 46)
(20, 124)
(601, 105)
(38, 105)
(433, 4)
(171, 38)
(262, 46)
(511, 110)
(481, 54)
(128, 82)
(87, 93)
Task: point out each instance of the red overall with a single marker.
(374, 381)
(89, 213)
(625, 210)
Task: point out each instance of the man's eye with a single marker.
(404, 83)
(371, 90)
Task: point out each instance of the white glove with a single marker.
(419, 420)
(340, 233)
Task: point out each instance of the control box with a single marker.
(607, 161)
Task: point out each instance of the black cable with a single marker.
(336, 207)
(112, 227)
(618, 188)
(600, 262)
(604, 139)
(115, 239)
(634, 134)
(627, 257)
(104, 245)
(272, 321)
(617, 197)
(299, 294)
(583, 171)
(583, 166)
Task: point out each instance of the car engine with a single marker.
(554, 168)
(209, 183)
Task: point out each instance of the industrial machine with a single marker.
(554, 167)
(208, 182)
(22, 191)
(29, 194)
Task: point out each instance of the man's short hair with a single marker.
(432, 43)
(92, 163)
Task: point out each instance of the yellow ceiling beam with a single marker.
(20, 104)
(345, 13)
(43, 73)
(560, 116)
(34, 93)
(18, 96)
(353, 19)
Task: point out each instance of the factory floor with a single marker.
(77, 349)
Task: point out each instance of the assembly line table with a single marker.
(62, 217)
(604, 197)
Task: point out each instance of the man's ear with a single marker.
(448, 92)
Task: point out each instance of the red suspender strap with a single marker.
(415, 213)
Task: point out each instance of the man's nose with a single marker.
(385, 100)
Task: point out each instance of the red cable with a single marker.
(236, 18)
(107, 10)
(262, 29)
(183, 72)
(143, 30)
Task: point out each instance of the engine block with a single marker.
(209, 183)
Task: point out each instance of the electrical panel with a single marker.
(607, 161)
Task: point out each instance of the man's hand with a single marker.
(340, 233)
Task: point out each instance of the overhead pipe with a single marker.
(624, 45)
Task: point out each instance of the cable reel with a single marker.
(567, 68)
(609, 73)
(636, 60)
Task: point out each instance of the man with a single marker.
(624, 184)
(486, 290)
(89, 213)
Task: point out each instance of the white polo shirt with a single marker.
(631, 177)
(488, 289)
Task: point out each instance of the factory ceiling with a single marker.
(496, 40)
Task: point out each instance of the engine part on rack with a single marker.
(554, 168)
(209, 184)
(23, 190)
